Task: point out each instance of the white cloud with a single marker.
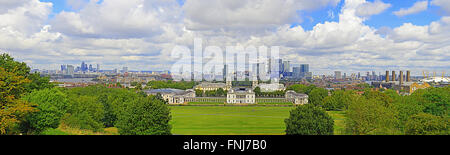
(371, 8)
(445, 4)
(119, 19)
(416, 8)
(141, 34)
(246, 14)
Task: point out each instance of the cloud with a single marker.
(444, 4)
(416, 8)
(141, 34)
(246, 14)
(371, 8)
(119, 19)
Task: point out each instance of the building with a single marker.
(207, 86)
(271, 87)
(296, 98)
(70, 70)
(241, 96)
(337, 75)
(173, 96)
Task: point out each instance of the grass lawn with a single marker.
(232, 120)
(236, 120)
(339, 124)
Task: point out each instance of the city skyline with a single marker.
(347, 35)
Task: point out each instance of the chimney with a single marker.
(401, 78)
(393, 75)
(387, 76)
(408, 74)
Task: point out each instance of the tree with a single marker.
(145, 116)
(309, 120)
(257, 91)
(12, 110)
(427, 124)
(84, 112)
(370, 116)
(317, 95)
(52, 105)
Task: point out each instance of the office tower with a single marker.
(70, 70)
(408, 74)
(374, 76)
(98, 67)
(387, 76)
(125, 69)
(393, 76)
(304, 69)
(90, 68)
(286, 67)
(345, 75)
(337, 75)
(401, 78)
(296, 72)
(359, 75)
(63, 68)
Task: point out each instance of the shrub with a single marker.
(309, 120)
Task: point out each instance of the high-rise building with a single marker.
(98, 68)
(70, 70)
(304, 68)
(63, 68)
(90, 68)
(286, 66)
(337, 75)
(125, 69)
(296, 72)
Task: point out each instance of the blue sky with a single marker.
(141, 34)
(311, 18)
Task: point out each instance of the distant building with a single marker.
(173, 96)
(241, 96)
(337, 75)
(70, 70)
(207, 86)
(271, 87)
(296, 98)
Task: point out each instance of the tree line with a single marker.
(31, 105)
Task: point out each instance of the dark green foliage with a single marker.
(370, 116)
(309, 120)
(145, 116)
(435, 100)
(317, 95)
(427, 124)
(84, 112)
(38, 82)
(171, 84)
(299, 88)
(339, 100)
(51, 105)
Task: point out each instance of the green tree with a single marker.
(12, 110)
(51, 105)
(317, 95)
(309, 120)
(145, 116)
(370, 116)
(427, 124)
(84, 112)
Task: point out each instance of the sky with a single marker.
(347, 35)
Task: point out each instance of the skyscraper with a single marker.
(98, 67)
(90, 68)
(337, 75)
(286, 66)
(70, 70)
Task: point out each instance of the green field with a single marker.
(235, 120)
